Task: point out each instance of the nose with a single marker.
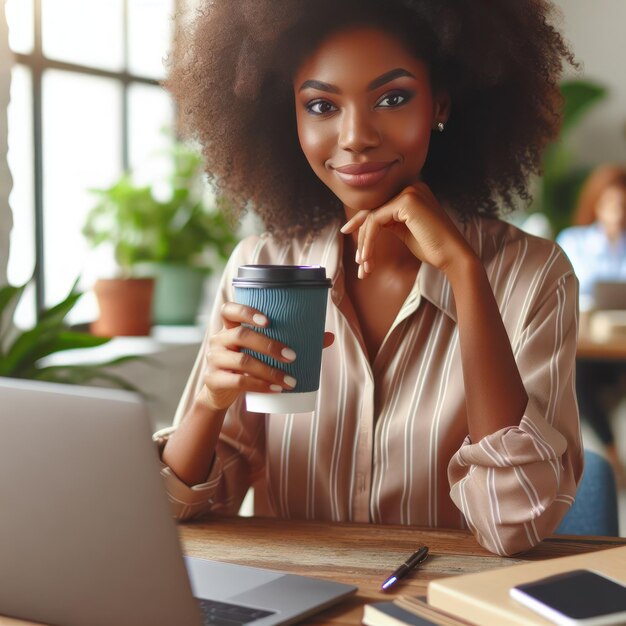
(358, 130)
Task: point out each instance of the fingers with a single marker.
(224, 386)
(370, 230)
(250, 370)
(354, 222)
(397, 216)
(240, 337)
(234, 314)
(231, 370)
(361, 223)
(236, 337)
(368, 226)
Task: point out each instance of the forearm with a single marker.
(190, 449)
(494, 392)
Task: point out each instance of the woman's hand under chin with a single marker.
(418, 220)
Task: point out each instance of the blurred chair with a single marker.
(595, 510)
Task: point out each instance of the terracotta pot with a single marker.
(125, 306)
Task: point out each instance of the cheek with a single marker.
(413, 141)
(610, 214)
(315, 143)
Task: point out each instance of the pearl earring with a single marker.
(441, 126)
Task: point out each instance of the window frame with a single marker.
(37, 64)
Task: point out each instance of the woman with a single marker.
(596, 246)
(596, 243)
(446, 397)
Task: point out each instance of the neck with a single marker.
(391, 253)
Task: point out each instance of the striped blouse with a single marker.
(388, 441)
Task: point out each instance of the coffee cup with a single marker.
(293, 298)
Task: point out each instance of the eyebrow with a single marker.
(377, 82)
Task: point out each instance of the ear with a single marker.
(442, 107)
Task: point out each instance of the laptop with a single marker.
(609, 295)
(86, 533)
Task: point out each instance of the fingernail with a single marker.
(357, 256)
(343, 228)
(259, 320)
(288, 353)
(366, 266)
(360, 274)
(290, 381)
(276, 388)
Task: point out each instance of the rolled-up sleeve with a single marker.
(515, 485)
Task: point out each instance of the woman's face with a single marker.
(611, 210)
(365, 111)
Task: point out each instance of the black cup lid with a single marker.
(281, 276)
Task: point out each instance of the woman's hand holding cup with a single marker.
(231, 371)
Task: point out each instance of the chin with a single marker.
(365, 201)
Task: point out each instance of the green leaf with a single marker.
(41, 341)
(72, 340)
(51, 335)
(56, 314)
(9, 296)
(560, 182)
(84, 375)
(580, 96)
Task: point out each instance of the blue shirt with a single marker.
(593, 257)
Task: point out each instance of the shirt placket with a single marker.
(362, 462)
(409, 307)
(363, 454)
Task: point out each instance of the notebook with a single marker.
(407, 611)
(484, 599)
(86, 534)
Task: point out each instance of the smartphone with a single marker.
(576, 598)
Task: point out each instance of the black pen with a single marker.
(413, 561)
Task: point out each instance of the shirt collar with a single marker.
(433, 284)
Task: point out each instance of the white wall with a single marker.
(596, 31)
(5, 176)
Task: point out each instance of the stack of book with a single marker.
(484, 598)
(414, 611)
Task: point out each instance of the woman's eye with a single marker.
(393, 100)
(320, 107)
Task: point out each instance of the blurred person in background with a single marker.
(596, 247)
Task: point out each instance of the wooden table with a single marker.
(611, 350)
(592, 346)
(359, 554)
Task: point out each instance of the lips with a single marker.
(363, 174)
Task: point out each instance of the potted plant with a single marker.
(561, 180)
(23, 352)
(169, 231)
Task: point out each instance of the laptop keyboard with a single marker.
(223, 614)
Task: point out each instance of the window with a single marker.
(85, 105)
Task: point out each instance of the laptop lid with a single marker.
(609, 295)
(86, 534)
